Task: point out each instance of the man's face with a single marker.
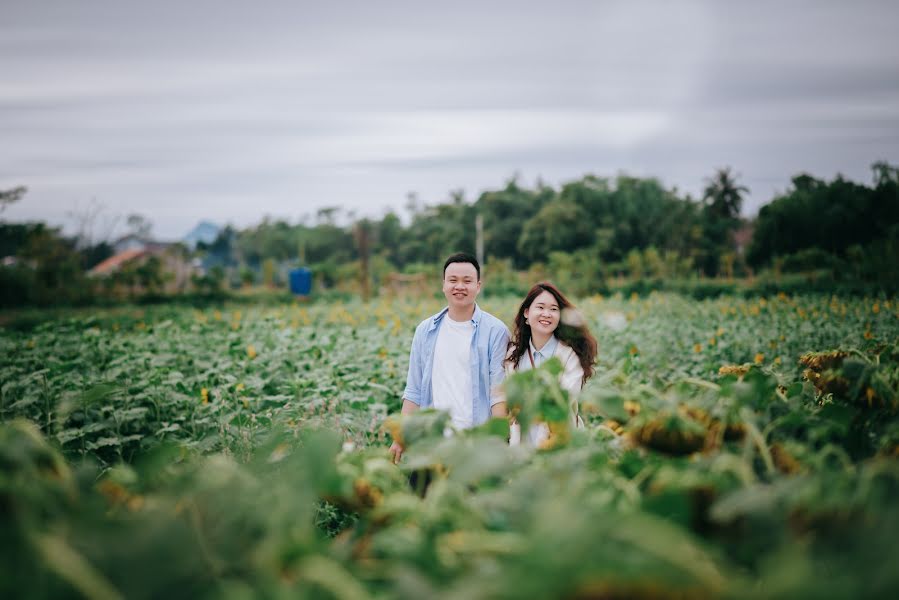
(461, 285)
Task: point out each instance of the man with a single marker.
(456, 362)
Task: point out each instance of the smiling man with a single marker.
(456, 362)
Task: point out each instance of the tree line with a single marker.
(590, 232)
(614, 227)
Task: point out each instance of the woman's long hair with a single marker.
(574, 332)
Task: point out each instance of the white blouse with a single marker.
(571, 379)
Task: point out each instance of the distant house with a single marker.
(176, 269)
(133, 250)
(742, 237)
(116, 262)
(130, 242)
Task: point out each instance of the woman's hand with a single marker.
(514, 433)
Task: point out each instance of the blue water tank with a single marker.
(301, 281)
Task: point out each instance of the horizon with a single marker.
(346, 218)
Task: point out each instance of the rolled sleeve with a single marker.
(498, 350)
(412, 393)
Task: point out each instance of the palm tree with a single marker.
(722, 196)
(8, 197)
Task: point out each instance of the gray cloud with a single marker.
(231, 111)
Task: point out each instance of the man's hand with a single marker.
(397, 452)
(396, 449)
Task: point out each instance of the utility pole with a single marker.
(362, 243)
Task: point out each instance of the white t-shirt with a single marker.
(451, 374)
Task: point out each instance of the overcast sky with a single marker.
(231, 111)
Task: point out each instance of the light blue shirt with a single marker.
(540, 356)
(489, 343)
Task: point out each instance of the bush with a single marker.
(16, 282)
(810, 259)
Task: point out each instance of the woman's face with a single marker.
(543, 314)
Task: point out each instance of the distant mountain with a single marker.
(205, 232)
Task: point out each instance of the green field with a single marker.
(730, 451)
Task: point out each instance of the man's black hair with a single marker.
(462, 257)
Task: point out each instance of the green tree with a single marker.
(635, 264)
(558, 226)
(722, 200)
(388, 237)
(630, 213)
(247, 276)
(139, 226)
(832, 216)
(439, 230)
(653, 263)
(885, 174)
(723, 197)
(57, 274)
(268, 272)
(11, 196)
(578, 273)
(505, 213)
(149, 275)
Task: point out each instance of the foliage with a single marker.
(47, 267)
(598, 233)
(558, 226)
(505, 213)
(832, 216)
(11, 196)
(731, 446)
(722, 201)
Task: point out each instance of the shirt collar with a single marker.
(475, 318)
(548, 349)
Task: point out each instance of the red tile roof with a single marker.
(115, 262)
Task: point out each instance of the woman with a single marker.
(547, 325)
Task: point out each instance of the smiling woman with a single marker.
(547, 326)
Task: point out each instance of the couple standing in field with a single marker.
(461, 355)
